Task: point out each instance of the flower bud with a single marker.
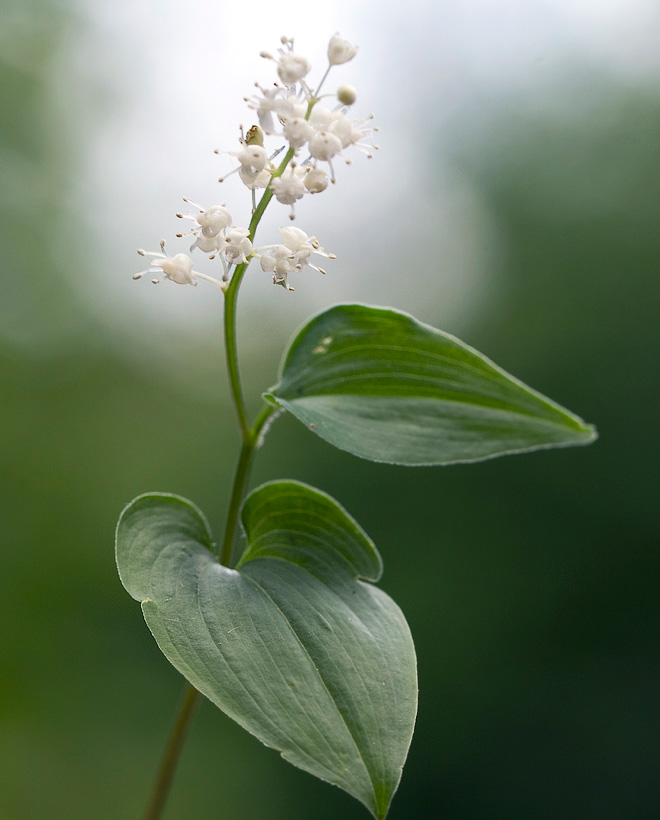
(347, 95)
(339, 51)
(316, 181)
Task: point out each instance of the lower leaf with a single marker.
(291, 644)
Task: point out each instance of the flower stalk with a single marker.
(322, 134)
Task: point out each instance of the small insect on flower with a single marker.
(254, 136)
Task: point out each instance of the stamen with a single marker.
(190, 202)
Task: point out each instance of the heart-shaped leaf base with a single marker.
(290, 644)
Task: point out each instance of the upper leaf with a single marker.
(290, 644)
(380, 384)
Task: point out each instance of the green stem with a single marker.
(231, 351)
(231, 299)
(250, 443)
(251, 438)
(171, 754)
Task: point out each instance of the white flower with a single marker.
(291, 106)
(208, 244)
(320, 117)
(353, 132)
(236, 245)
(297, 240)
(210, 221)
(265, 105)
(291, 67)
(279, 261)
(253, 161)
(253, 158)
(339, 51)
(361, 130)
(316, 181)
(178, 268)
(293, 255)
(302, 247)
(341, 127)
(297, 131)
(324, 146)
(254, 179)
(289, 188)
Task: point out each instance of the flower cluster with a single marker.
(311, 134)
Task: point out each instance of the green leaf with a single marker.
(290, 644)
(380, 384)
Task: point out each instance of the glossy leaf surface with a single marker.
(380, 384)
(291, 644)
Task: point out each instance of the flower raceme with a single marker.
(310, 131)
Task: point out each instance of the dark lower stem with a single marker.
(171, 754)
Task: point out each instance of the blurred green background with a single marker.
(530, 583)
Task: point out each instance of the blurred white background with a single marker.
(146, 90)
